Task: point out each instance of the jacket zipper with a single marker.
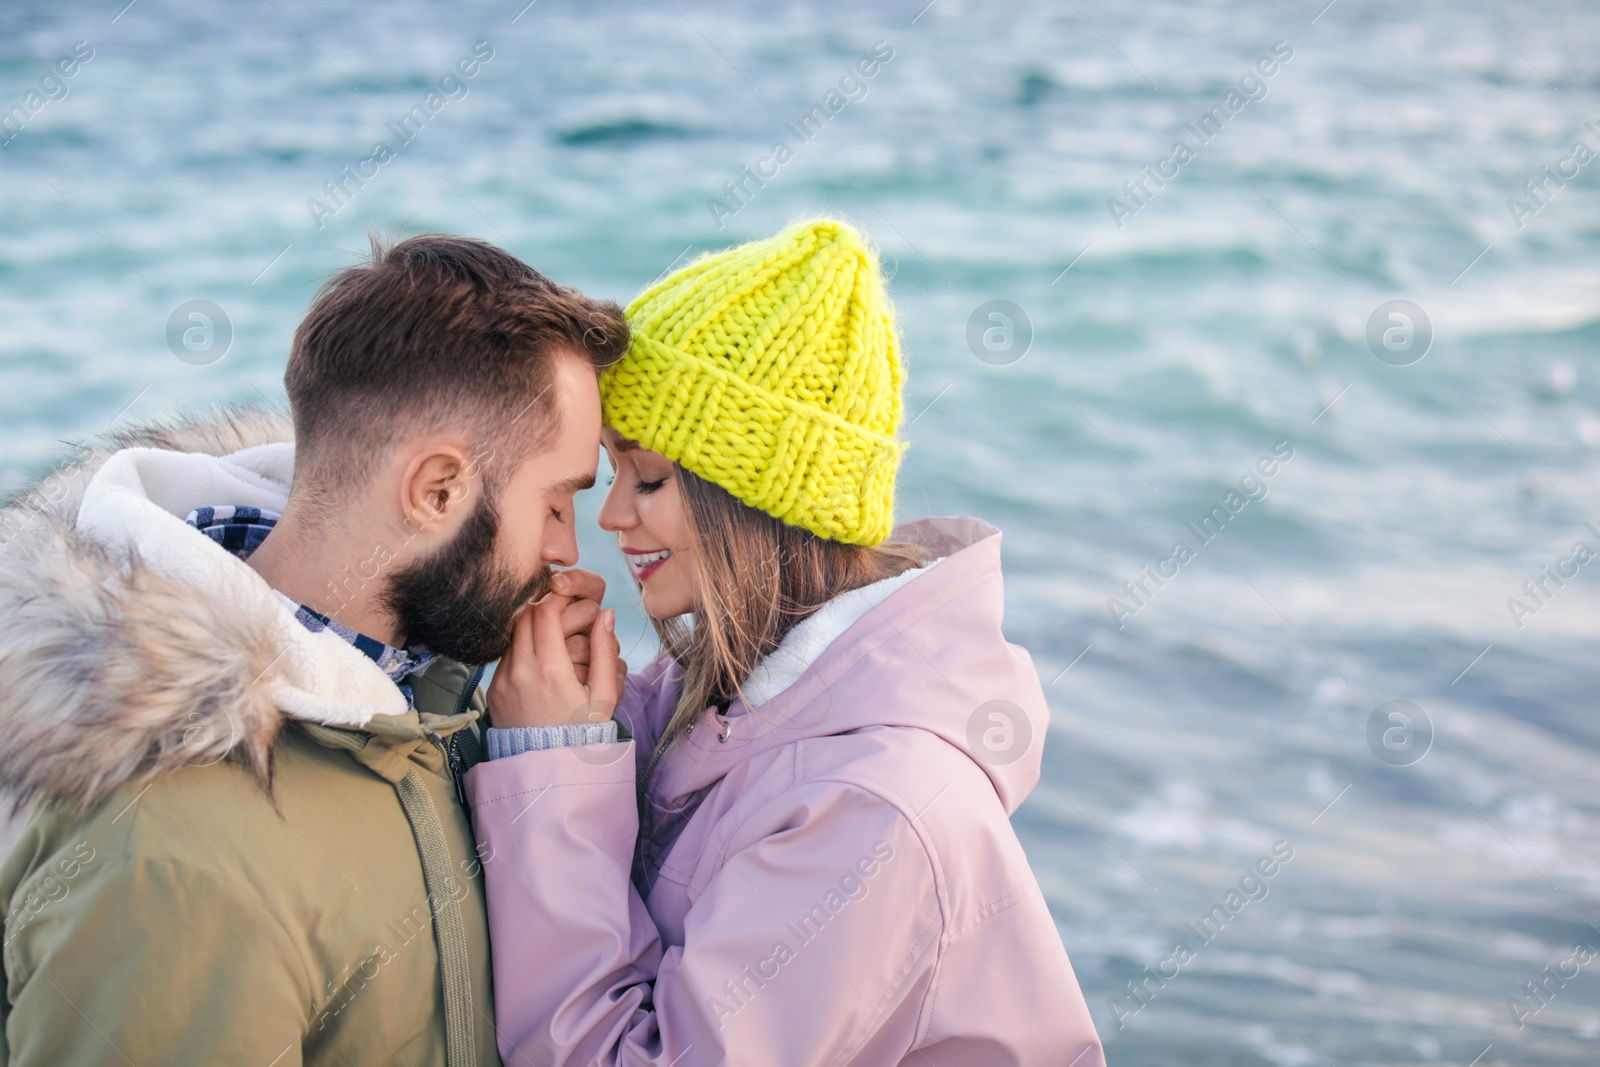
(450, 746)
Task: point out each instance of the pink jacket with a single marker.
(848, 890)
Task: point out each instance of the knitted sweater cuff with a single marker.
(515, 740)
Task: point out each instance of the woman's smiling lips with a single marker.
(645, 562)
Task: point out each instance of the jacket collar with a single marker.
(130, 645)
(134, 508)
(809, 638)
(927, 652)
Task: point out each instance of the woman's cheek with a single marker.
(670, 591)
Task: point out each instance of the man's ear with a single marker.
(437, 484)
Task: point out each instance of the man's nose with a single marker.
(561, 545)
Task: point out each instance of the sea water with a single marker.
(1116, 348)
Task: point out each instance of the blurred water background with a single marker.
(1148, 356)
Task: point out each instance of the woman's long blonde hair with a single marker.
(757, 578)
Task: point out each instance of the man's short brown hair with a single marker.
(435, 332)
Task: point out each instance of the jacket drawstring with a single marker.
(448, 929)
(444, 901)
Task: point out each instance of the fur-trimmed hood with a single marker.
(131, 644)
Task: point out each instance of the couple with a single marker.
(276, 821)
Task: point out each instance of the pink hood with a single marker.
(928, 655)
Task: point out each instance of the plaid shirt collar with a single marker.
(241, 530)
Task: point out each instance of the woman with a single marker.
(802, 856)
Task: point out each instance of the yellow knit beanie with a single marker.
(772, 369)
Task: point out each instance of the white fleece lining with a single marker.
(801, 646)
(136, 503)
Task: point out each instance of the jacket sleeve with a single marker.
(150, 961)
(642, 709)
(819, 923)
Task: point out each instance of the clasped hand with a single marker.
(564, 664)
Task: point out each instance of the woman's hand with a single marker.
(541, 681)
(586, 590)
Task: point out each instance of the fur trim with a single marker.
(110, 671)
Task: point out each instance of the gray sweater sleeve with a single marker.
(515, 740)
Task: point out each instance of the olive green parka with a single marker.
(243, 848)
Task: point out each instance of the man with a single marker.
(234, 677)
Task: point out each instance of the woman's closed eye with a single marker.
(650, 487)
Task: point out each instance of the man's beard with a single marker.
(461, 601)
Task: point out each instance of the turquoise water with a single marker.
(1227, 313)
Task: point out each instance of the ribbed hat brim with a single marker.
(813, 468)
